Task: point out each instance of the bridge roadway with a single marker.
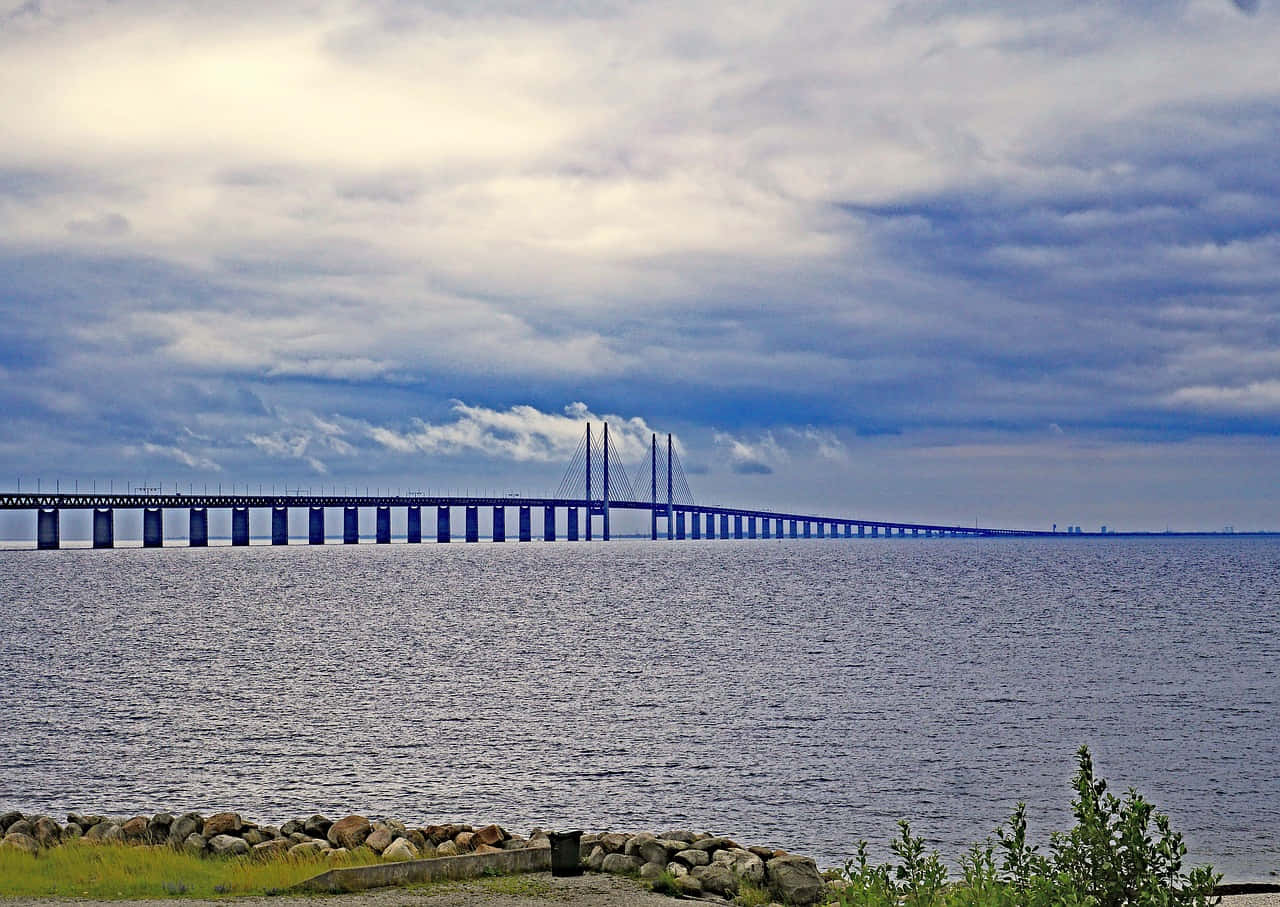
(693, 521)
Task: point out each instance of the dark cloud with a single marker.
(103, 225)
(1246, 6)
(752, 468)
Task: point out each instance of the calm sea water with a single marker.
(804, 694)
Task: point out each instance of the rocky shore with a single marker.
(695, 864)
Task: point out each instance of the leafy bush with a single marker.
(1110, 858)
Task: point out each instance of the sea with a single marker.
(806, 694)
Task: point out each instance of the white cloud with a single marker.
(1255, 397)
(177, 454)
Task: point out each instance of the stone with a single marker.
(227, 846)
(652, 851)
(135, 829)
(517, 843)
(435, 833)
(158, 827)
(22, 827)
(71, 831)
(764, 853)
(710, 844)
(334, 855)
(399, 850)
(379, 839)
(24, 843)
(350, 832)
(677, 869)
(293, 825)
(447, 849)
(681, 835)
(487, 848)
(47, 832)
(100, 831)
(492, 835)
(317, 826)
(222, 824)
(194, 844)
(416, 838)
(8, 819)
(183, 827)
(688, 886)
(269, 832)
(594, 860)
(652, 871)
(466, 840)
(270, 850)
(693, 857)
(717, 878)
(307, 849)
(621, 864)
(745, 865)
(794, 879)
(253, 836)
(428, 852)
(632, 847)
(300, 837)
(84, 820)
(613, 842)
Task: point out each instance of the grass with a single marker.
(111, 871)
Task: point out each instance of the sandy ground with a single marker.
(533, 890)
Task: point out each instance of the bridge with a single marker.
(594, 485)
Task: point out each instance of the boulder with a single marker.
(24, 843)
(447, 849)
(466, 840)
(632, 847)
(227, 846)
(379, 838)
(350, 832)
(688, 886)
(493, 835)
(293, 825)
(594, 860)
(678, 834)
(714, 843)
(22, 827)
(399, 850)
(270, 850)
(8, 819)
(85, 820)
(182, 828)
(307, 849)
(693, 857)
(47, 832)
(300, 837)
(613, 842)
(158, 827)
(100, 832)
(717, 878)
(677, 869)
(487, 848)
(269, 832)
(745, 865)
(194, 844)
(652, 851)
(621, 864)
(764, 853)
(335, 855)
(135, 829)
(222, 824)
(794, 879)
(253, 836)
(652, 871)
(317, 826)
(72, 830)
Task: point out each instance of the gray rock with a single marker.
(652, 851)
(693, 857)
(744, 864)
(158, 827)
(253, 836)
(447, 849)
(398, 850)
(317, 826)
(349, 832)
(677, 869)
(678, 834)
(379, 838)
(100, 832)
(270, 850)
(594, 860)
(765, 853)
(794, 879)
(269, 832)
(300, 837)
(416, 838)
(8, 819)
(72, 830)
(613, 842)
(135, 829)
(632, 847)
(652, 871)
(293, 825)
(227, 846)
(688, 886)
(183, 827)
(717, 878)
(308, 849)
(47, 832)
(194, 843)
(620, 864)
(22, 827)
(24, 843)
(335, 855)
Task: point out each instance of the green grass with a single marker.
(106, 872)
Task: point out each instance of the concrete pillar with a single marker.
(240, 526)
(499, 524)
(875, 532)
(777, 528)
(279, 525)
(915, 533)
(104, 527)
(442, 524)
(548, 524)
(350, 525)
(198, 528)
(822, 529)
(808, 529)
(413, 533)
(680, 526)
(862, 531)
(695, 524)
(48, 537)
(711, 525)
(473, 523)
(751, 527)
(315, 525)
(526, 524)
(737, 525)
(572, 528)
(724, 525)
(848, 530)
(152, 527)
(382, 527)
(794, 533)
(765, 523)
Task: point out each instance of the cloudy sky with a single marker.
(1014, 262)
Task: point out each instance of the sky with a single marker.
(1013, 263)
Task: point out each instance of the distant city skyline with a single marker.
(1015, 264)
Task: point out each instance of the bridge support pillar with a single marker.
(240, 526)
(695, 526)
(104, 527)
(737, 525)
(526, 524)
(571, 531)
(198, 527)
(499, 524)
(751, 527)
(848, 530)
(350, 525)
(413, 532)
(915, 533)
(548, 524)
(822, 527)
(765, 525)
(152, 527)
(862, 531)
(711, 525)
(724, 525)
(473, 523)
(777, 528)
(875, 532)
(48, 536)
(679, 521)
(279, 525)
(808, 529)
(442, 524)
(794, 533)
(315, 525)
(382, 530)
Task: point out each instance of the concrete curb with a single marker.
(466, 866)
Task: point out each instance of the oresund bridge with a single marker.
(594, 485)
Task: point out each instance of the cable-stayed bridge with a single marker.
(594, 484)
